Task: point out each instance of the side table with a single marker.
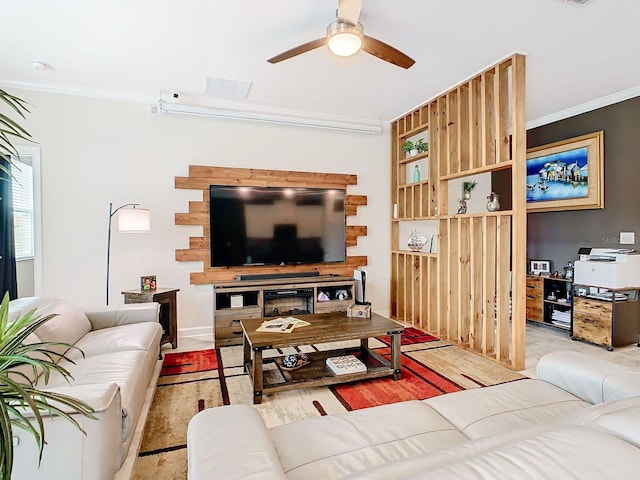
(166, 297)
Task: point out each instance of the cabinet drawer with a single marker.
(534, 313)
(333, 306)
(534, 288)
(228, 332)
(240, 312)
(593, 307)
(593, 328)
(225, 322)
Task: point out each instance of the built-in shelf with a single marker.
(414, 131)
(475, 171)
(498, 213)
(411, 252)
(415, 184)
(415, 158)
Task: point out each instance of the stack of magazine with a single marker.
(346, 364)
(281, 325)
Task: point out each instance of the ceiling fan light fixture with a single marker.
(344, 39)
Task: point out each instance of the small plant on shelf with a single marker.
(467, 188)
(409, 148)
(421, 145)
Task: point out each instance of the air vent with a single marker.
(226, 88)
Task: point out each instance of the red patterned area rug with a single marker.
(193, 381)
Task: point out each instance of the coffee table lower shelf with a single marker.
(317, 374)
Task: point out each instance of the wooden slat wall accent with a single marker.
(454, 283)
(489, 285)
(464, 280)
(519, 209)
(503, 234)
(200, 177)
(452, 132)
(433, 162)
(476, 127)
(464, 144)
(476, 247)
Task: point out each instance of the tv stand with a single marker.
(244, 299)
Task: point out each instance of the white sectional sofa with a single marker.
(121, 347)
(580, 419)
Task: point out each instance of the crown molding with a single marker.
(585, 107)
(223, 108)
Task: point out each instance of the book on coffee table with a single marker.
(282, 325)
(345, 364)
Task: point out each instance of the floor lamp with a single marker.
(130, 220)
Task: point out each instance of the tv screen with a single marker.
(276, 225)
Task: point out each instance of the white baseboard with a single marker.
(195, 332)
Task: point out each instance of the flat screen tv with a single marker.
(276, 226)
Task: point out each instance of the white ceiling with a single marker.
(131, 49)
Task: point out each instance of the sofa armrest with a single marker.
(231, 442)
(579, 374)
(105, 317)
(69, 453)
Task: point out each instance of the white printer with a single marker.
(608, 268)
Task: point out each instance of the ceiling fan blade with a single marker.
(349, 11)
(305, 47)
(386, 52)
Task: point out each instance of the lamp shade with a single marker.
(344, 39)
(134, 220)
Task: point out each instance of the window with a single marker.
(23, 218)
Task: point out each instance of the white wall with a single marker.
(25, 278)
(96, 151)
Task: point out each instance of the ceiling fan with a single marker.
(345, 37)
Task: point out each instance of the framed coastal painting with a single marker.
(566, 175)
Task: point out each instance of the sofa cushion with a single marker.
(129, 369)
(558, 452)
(231, 443)
(68, 326)
(480, 412)
(136, 336)
(619, 385)
(579, 374)
(620, 418)
(337, 445)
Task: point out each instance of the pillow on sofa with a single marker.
(68, 326)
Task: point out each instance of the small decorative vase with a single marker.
(416, 174)
(467, 195)
(416, 241)
(413, 153)
(493, 203)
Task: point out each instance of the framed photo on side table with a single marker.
(148, 282)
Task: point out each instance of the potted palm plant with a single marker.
(10, 128)
(22, 404)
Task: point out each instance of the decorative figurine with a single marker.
(462, 208)
(416, 241)
(493, 202)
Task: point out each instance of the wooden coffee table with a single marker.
(324, 328)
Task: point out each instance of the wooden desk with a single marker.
(166, 297)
